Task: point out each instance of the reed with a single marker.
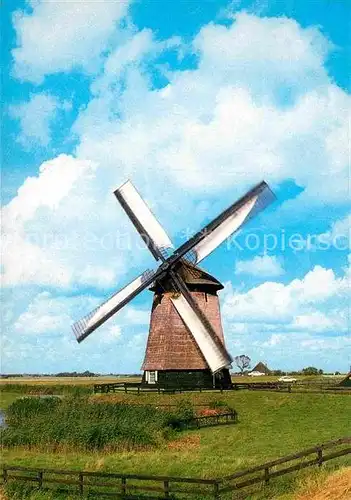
(79, 422)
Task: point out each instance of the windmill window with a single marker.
(152, 377)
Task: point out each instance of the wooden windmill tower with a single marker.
(186, 343)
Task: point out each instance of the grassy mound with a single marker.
(83, 424)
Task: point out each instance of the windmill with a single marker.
(186, 343)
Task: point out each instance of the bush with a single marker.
(83, 424)
(184, 413)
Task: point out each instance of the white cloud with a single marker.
(317, 303)
(54, 37)
(38, 337)
(226, 116)
(317, 321)
(212, 131)
(260, 266)
(35, 238)
(45, 315)
(205, 132)
(35, 118)
(339, 235)
(276, 48)
(65, 228)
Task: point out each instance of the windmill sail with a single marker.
(197, 323)
(93, 320)
(168, 276)
(151, 231)
(216, 357)
(227, 223)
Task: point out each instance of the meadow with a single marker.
(271, 425)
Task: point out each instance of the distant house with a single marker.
(260, 369)
(346, 382)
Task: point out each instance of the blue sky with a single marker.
(195, 101)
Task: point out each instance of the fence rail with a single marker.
(210, 420)
(119, 485)
(269, 470)
(138, 388)
(124, 486)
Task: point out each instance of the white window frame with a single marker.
(151, 376)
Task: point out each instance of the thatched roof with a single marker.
(261, 367)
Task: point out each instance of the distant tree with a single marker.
(242, 362)
(277, 373)
(87, 373)
(310, 370)
(320, 372)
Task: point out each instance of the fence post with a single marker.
(266, 475)
(166, 487)
(216, 494)
(40, 479)
(5, 475)
(81, 483)
(320, 456)
(123, 486)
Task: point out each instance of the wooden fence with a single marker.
(138, 487)
(291, 463)
(137, 388)
(210, 420)
(123, 486)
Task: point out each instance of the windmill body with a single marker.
(173, 358)
(186, 344)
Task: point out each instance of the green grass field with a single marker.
(270, 425)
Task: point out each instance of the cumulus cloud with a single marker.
(259, 103)
(45, 315)
(318, 302)
(35, 118)
(40, 334)
(206, 132)
(64, 228)
(287, 324)
(260, 266)
(54, 37)
(295, 351)
(29, 233)
(339, 235)
(274, 51)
